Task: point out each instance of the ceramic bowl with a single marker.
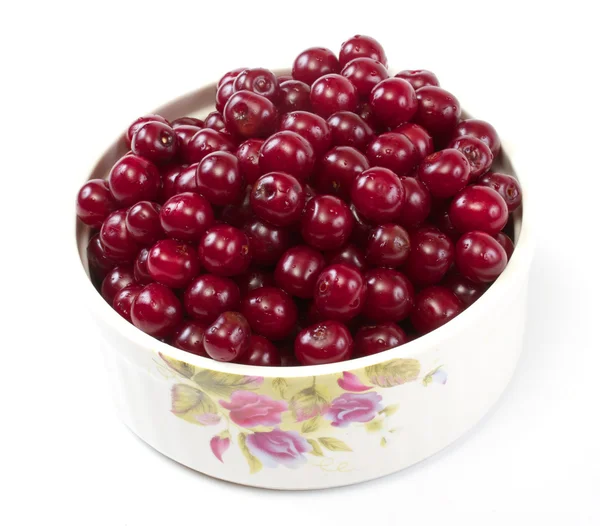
(316, 426)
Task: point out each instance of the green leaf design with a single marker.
(188, 403)
(334, 444)
(279, 385)
(383, 442)
(374, 425)
(429, 376)
(223, 384)
(389, 410)
(311, 425)
(316, 448)
(394, 372)
(182, 368)
(308, 403)
(254, 464)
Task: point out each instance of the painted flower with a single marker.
(218, 445)
(353, 407)
(351, 382)
(249, 409)
(208, 419)
(278, 447)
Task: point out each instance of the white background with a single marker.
(74, 74)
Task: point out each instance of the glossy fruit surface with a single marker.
(348, 129)
(506, 185)
(324, 342)
(326, 222)
(477, 153)
(124, 299)
(418, 137)
(444, 173)
(393, 151)
(278, 198)
(362, 46)
(156, 310)
(480, 257)
(138, 123)
(207, 141)
(118, 243)
(172, 263)
(298, 269)
(247, 155)
(271, 312)
(189, 336)
(482, 130)
(260, 81)
(434, 307)
(313, 63)
(133, 179)
(310, 126)
(388, 246)
(418, 77)
(378, 195)
(249, 115)
(295, 96)
(438, 110)
(267, 242)
(186, 216)
(155, 141)
(365, 73)
(394, 101)
(389, 295)
(115, 281)
(340, 292)
(417, 203)
(228, 337)
(478, 208)
(219, 180)
(463, 288)
(332, 93)
(431, 255)
(373, 339)
(143, 222)
(350, 255)
(225, 251)
(338, 169)
(261, 352)
(288, 152)
(95, 202)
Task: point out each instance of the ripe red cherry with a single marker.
(394, 101)
(267, 242)
(438, 110)
(394, 152)
(418, 77)
(240, 213)
(156, 311)
(295, 96)
(99, 263)
(186, 216)
(284, 78)
(116, 239)
(224, 93)
(434, 306)
(208, 295)
(215, 121)
(477, 153)
(278, 198)
(248, 115)
(310, 126)
(143, 222)
(313, 63)
(373, 339)
(155, 141)
(288, 152)
(94, 202)
(138, 123)
(417, 204)
(124, 299)
(332, 93)
(378, 195)
(184, 136)
(349, 255)
(388, 246)
(228, 337)
(172, 263)
(506, 185)
(419, 138)
(365, 112)
(340, 292)
(230, 75)
(261, 352)
(326, 223)
(133, 179)
(115, 281)
(389, 295)
(431, 255)
(298, 269)
(254, 279)
(365, 73)
(445, 173)
(186, 180)
(187, 121)
(481, 130)
(464, 289)
(338, 169)
(225, 250)
(362, 228)
(348, 129)
(324, 342)
(219, 180)
(169, 179)
(260, 81)
(189, 336)
(247, 155)
(207, 141)
(140, 268)
(506, 243)
(480, 257)
(478, 208)
(362, 46)
(271, 312)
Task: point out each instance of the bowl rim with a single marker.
(517, 267)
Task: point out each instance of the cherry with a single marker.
(348, 129)
(349, 255)
(340, 292)
(295, 96)
(438, 110)
(338, 169)
(260, 81)
(184, 134)
(238, 214)
(365, 112)
(99, 263)
(417, 204)
(394, 101)
(187, 121)
(254, 279)
(189, 336)
(278, 198)
(133, 179)
(288, 152)
(313, 63)
(186, 180)
(365, 73)
(219, 180)
(186, 216)
(205, 142)
(373, 339)
(138, 123)
(284, 78)
(326, 223)
(156, 310)
(247, 155)
(310, 126)
(431, 255)
(261, 352)
(394, 152)
(169, 179)
(94, 202)
(324, 342)
(477, 153)
(298, 269)
(267, 242)
(155, 141)
(418, 77)
(270, 312)
(389, 295)
(445, 173)
(506, 185)
(115, 281)
(378, 195)
(225, 250)
(332, 93)
(478, 208)
(228, 337)
(440, 219)
(248, 115)
(464, 289)
(140, 268)
(172, 263)
(215, 121)
(143, 222)
(506, 243)
(481, 130)
(388, 246)
(419, 138)
(480, 257)
(434, 307)
(362, 46)
(224, 93)
(208, 295)
(124, 299)
(362, 228)
(116, 239)
(230, 75)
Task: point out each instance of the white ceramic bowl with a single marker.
(316, 426)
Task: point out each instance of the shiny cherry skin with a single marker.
(434, 307)
(295, 96)
(388, 246)
(116, 280)
(288, 152)
(208, 295)
(444, 173)
(172, 263)
(419, 138)
(95, 202)
(116, 239)
(464, 289)
(271, 312)
(99, 263)
(326, 223)
(247, 155)
(238, 214)
(254, 279)
(155, 141)
(228, 337)
(261, 352)
(278, 198)
(394, 152)
(143, 222)
(325, 342)
(478, 208)
(249, 115)
(298, 269)
(284, 78)
(313, 63)
(365, 112)
(225, 251)
(169, 179)
(418, 77)
(417, 204)
(138, 123)
(481, 130)
(438, 110)
(378, 195)
(215, 121)
(156, 311)
(394, 101)
(124, 299)
(224, 93)
(506, 185)
(373, 339)
(133, 179)
(260, 81)
(362, 228)
(140, 268)
(340, 292)
(267, 242)
(230, 75)
(219, 179)
(332, 93)
(187, 121)
(477, 153)
(480, 257)
(186, 180)
(350, 255)
(390, 295)
(189, 336)
(506, 243)
(310, 126)
(348, 129)
(186, 216)
(365, 73)
(205, 142)
(440, 219)
(362, 46)
(431, 255)
(184, 134)
(338, 169)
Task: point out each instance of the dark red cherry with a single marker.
(238, 214)
(348, 129)
(186, 180)
(477, 153)
(310, 126)
(326, 223)
(208, 295)
(417, 204)
(349, 255)
(389, 295)
(362, 46)
(254, 279)
(365, 112)
(124, 299)
(205, 142)
(332, 93)
(506, 243)
(249, 115)
(324, 342)
(230, 75)
(143, 222)
(362, 228)
(228, 337)
(261, 352)
(373, 339)
(440, 219)
(189, 336)
(186, 216)
(140, 268)
(394, 152)
(480, 257)
(444, 173)
(418, 78)
(313, 63)
(365, 73)
(95, 202)
(260, 81)
(155, 141)
(431, 255)
(278, 198)
(340, 292)
(169, 180)
(156, 310)
(438, 110)
(247, 155)
(224, 93)
(225, 250)
(187, 121)
(394, 101)
(283, 78)
(506, 185)
(378, 195)
(478, 208)
(419, 138)
(219, 179)
(271, 312)
(99, 263)
(288, 152)
(138, 123)
(118, 243)
(388, 246)
(115, 281)
(184, 134)
(215, 121)
(298, 269)
(338, 169)
(295, 96)
(133, 179)
(172, 263)
(434, 306)
(267, 242)
(464, 289)
(481, 130)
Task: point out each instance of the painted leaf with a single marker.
(311, 425)
(219, 444)
(182, 368)
(374, 425)
(316, 448)
(438, 375)
(191, 404)
(334, 444)
(383, 442)
(351, 382)
(253, 463)
(279, 385)
(224, 384)
(394, 372)
(389, 410)
(308, 403)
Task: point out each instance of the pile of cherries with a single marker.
(312, 218)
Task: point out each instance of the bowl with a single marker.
(314, 426)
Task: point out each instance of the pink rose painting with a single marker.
(249, 409)
(354, 407)
(278, 447)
